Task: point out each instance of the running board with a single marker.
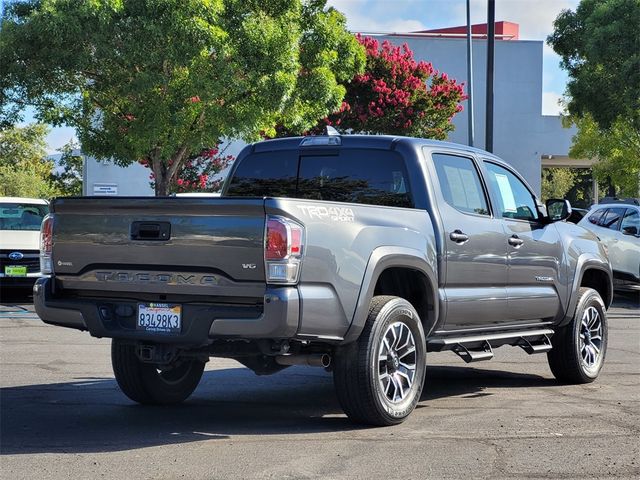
(469, 356)
(475, 348)
(543, 345)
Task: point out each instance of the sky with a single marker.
(535, 18)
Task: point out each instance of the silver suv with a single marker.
(617, 224)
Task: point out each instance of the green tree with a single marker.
(556, 182)
(600, 48)
(161, 80)
(24, 169)
(616, 149)
(68, 176)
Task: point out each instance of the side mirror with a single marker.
(630, 230)
(558, 209)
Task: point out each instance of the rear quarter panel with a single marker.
(340, 241)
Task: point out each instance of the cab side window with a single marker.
(460, 183)
(514, 198)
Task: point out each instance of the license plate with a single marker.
(159, 317)
(15, 271)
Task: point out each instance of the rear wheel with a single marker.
(379, 378)
(580, 347)
(151, 384)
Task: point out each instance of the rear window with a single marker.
(269, 174)
(21, 216)
(358, 176)
(375, 177)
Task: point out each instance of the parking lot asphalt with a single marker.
(62, 416)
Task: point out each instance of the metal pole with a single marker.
(491, 31)
(85, 175)
(470, 76)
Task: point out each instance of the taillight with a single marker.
(277, 240)
(46, 245)
(284, 243)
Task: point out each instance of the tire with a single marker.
(577, 356)
(382, 392)
(146, 384)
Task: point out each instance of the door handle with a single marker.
(458, 236)
(515, 241)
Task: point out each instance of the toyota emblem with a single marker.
(16, 256)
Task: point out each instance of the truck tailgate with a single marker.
(208, 246)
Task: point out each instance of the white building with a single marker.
(522, 135)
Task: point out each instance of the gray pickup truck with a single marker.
(358, 254)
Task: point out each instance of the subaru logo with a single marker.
(16, 256)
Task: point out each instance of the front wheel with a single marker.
(580, 347)
(151, 384)
(379, 378)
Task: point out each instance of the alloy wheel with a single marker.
(397, 362)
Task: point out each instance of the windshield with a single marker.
(21, 216)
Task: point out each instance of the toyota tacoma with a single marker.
(355, 253)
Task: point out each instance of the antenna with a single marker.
(328, 130)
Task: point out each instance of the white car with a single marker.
(617, 225)
(20, 220)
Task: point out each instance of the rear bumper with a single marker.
(28, 281)
(278, 318)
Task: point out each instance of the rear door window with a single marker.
(376, 177)
(21, 216)
(611, 219)
(460, 183)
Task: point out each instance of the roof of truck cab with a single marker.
(380, 141)
(34, 201)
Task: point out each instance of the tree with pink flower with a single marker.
(397, 95)
(200, 172)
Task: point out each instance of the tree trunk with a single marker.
(161, 178)
(162, 185)
(611, 189)
(164, 172)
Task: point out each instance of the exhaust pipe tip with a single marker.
(325, 360)
(314, 360)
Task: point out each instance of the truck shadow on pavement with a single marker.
(92, 415)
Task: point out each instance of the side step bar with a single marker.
(480, 347)
(541, 346)
(486, 353)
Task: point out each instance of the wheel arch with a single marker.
(402, 272)
(594, 273)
